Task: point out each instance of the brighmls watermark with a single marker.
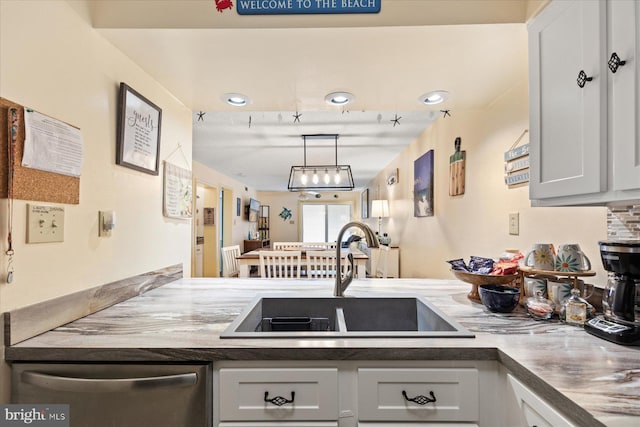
(34, 415)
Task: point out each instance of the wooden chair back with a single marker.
(322, 264)
(230, 266)
(280, 264)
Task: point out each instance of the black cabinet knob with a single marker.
(615, 62)
(582, 78)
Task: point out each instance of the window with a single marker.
(322, 222)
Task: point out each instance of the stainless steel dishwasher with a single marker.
(119, 395)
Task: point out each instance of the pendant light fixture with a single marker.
(307, 177)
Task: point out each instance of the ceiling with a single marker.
(476, 50)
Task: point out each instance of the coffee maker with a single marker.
(621, 297)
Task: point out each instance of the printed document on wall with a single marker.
(51, 145)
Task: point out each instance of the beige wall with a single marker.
(54, 62)
(476, 223)
(290, 231)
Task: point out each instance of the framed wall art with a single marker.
(364, 204)
(178, 192)
(138, 138)
(423, 185)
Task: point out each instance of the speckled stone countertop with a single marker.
(596, 381)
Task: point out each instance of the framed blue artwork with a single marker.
(423, 185)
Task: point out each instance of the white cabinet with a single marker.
(357, 393)
(534, 411)
(623, 19)
(418, 395)
(278, 394)
(585, 146)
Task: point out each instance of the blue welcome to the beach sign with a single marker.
(297, 7)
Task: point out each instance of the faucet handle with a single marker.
(350, 259)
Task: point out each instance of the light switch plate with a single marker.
(514, 224)
(45, 224)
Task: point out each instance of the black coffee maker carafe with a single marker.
(621, 297)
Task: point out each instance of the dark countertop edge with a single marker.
(168, 355)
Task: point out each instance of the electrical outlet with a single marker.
(514, 223)
(45, 224)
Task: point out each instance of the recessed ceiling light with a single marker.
(434, 97)
(339, 98)
(236, 99)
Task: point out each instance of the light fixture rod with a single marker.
(304, 137)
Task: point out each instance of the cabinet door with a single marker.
(623, 21)
(535, 411)
(567, 123)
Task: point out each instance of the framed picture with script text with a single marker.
(138, 138)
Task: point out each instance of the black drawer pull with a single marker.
(420, 400)
(582, 78)
(279, 400)
(615, 62)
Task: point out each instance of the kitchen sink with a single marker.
(296, 316)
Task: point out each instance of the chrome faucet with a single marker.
(372, 242)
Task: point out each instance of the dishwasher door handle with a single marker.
(100, 385)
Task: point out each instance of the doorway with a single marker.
(205, 261)
(225, 213)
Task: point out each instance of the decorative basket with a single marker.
(475, 280)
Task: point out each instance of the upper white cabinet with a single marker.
(624, 114)
(585, 147)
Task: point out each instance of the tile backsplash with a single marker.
(623, 223)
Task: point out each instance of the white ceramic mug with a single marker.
(537, 283)
(571, 258)
(559, 290)
(541, 257)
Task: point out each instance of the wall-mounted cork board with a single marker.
(31, 184)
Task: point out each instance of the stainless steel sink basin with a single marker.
(297, 316)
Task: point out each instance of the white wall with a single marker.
(476, 223)
(53, 61)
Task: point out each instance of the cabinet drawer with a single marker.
(381, 394)
(313, 394)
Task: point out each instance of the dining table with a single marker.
(252, 258)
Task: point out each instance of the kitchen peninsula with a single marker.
(590, 381)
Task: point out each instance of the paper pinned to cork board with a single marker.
(457, 170)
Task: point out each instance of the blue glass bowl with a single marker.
(499, 298)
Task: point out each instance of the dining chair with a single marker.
(322, 264)
(280, 264)
(230, 266)
(279, 246)
(383, 261)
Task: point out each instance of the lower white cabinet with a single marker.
(420, 394)
(534, 411)
(278, 394)
(355, 393)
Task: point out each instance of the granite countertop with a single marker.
(596, 381)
